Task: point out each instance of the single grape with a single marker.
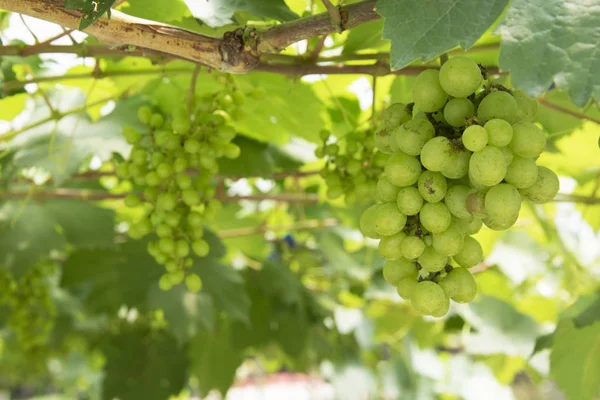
(131, 135)
(382, 138)
(476, 203)
(488, 166)
(435, 217)
(459, 164)
(432, 186)
(191, 197)
(412, 247)
(460, 77)
(388, 219)
(164, 170)
(144, 114)
(193, 283)
(367, 222)
(471, 253)
(435, 155)
(475, 138)
(499, 132)
(200, 247)
(544, 189)
(449, 242)
(409, 200)
(528, 140)
(389, 246)
(456, 201)
(394, 271)
(131, 200)
(431, 260)
(457, 111)
(164, 231)
(503, 202)
(396, 114)
(522, 172)
(182, 248)
(427, 91)
(386, 192)
(138, 155)
(354, 167)
(412, 135)
(527, 107)
(428, 298)
(405, 287)
(459, 285)
(402, 169)
(497, 224)
(499, 105)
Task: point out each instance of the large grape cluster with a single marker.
(467, 157)
(173, 165)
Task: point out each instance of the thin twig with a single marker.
(192, 90)
(300, 225)
(29, 29)
(37, 47)
(574, 198)
(334, 15)
(317, 50)
(567, 111)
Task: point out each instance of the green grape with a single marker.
(193, 283)
(432, 186)
(172, 219)
(166, 245)
(428, 298)
(435, 217)
(122, 170)
(152, 179)
(503, 202)
(144, 114)
(191, 197)
(389, 246)
(396, 114)
(497, 224)
(156, 159)
(457, 111)
(508, 154)
(192, 146)
(431, 260)
(522, 172)
(166, 201)
(231, 151)
(324, 135)
(200, 247)
(395, 270)
(164, 283)
(499, 105)
(382, 138)
(468, 227)
(527, 107)
(412, 135)
(184, 181)
(459, 164)
(409, 200)
(402, 169)
(164, 170)
(427, 91)
(335, 191)
(475, 138)
(459, 285)
(488, 166)
(181, 125)
(182, 248)
(499, 132)
(476, 203)
(412, 247)
(131, 135)
(354, 167)
(470, 255)
(164, 231)
(456, 201)
(156, 121)
(388, 219)
(332, 149)
(131, 200)
(367, 222)
(435, 155)
(449, 242)
(171, 265)
(544, 189)
(138, 156)
(460, 77)
(180, 165)
(405, 287)
(176, 277)
(528, 140)
(386, 192)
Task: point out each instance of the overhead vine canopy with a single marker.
(197, 193)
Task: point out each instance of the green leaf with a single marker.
(12, 106)
(157, 10)
(29, 230)
(186, 312)
(143, 364)
(214, 359)
(92, 10)
(575, 360)
(430, 28)
(365, 37)
(500, 328)
(273, 118)
(545, 40)
(226, 287)
(589, 315)
(559, 122)
(220, 11)
(543, 342)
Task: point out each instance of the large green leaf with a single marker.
(365, 37)
(143, 364)
(30, 230)
(429, 28)
(500, 328)
(219, 12)
(12, 106)
(575, 360)
(544, 40)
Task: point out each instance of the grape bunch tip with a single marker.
(463, 155)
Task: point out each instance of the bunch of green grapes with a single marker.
(464, 158)
(173, 165)
(352, 165)
(32, 310)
